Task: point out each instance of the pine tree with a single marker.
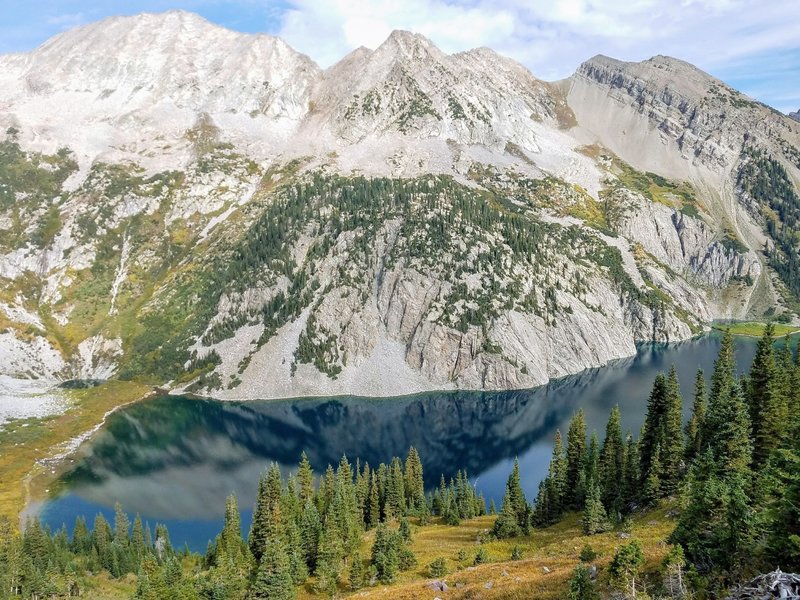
(694, 428)
(592, 462)
(724, 367)
(506, 524)
(81, 540)
(653, 429)
(273, 578)
(374, 507)
(727, 431)
(595, 519)
(515, 497)
(581, 586)
(716, 527)
(576, 450)
(651, 489)
(414, 481)
(625, 567)
(269, 493)
(555, 486)
(384, 554)
(631, 478)
(310, 532)
(138, 547)
(768, 406)
(305, 480)
(396, 495)
(672, 444)
(230, 544)
(357, 572)
(612, 462)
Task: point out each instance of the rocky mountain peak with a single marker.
(795, 115)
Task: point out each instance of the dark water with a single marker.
(174, 460)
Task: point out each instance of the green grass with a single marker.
(756, 329)
(25, 443)
(557, 548)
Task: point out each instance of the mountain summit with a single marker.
(211, 210)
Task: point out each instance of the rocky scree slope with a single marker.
(186, 204)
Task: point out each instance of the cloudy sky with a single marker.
(754, 45)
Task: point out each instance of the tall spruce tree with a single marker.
(576, 451)
(768, 406)
(414, 481)
(694, 427)
(672, 444)
(612, 462)
(273, 578)
(653, 428)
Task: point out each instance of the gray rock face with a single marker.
(795, 115)
(173, 166)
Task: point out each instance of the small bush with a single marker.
(588, 554)
(481, 557)
(438, 568)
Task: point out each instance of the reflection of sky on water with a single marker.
(174, 460)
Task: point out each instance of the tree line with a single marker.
(734, 469)
(304, 530)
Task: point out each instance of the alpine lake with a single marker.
(175, 459)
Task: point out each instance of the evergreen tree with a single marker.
(273, 579)
(374, 507)
(630, 488)
(768, 406)
(357, 572)
(581, 586)
(310, 532)
(671, 440)
(595, 519)
(716, 524)
(576, 451)
(506, 525)
(263, 525)
(612, 462)
(727, 431)
(591, 462)
(694, 427)
(515, 497)
(653, 429)
(414, 481)
(558, 475)
(625, 567)
(651, 489)
(396, 494)
(305, 480)
(724, 367)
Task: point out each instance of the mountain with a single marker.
(795, 115)
(182, 203)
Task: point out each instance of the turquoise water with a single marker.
(175, 459)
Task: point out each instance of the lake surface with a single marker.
(174, 460)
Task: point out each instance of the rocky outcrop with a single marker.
(795, 115)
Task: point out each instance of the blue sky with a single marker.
(754, 45)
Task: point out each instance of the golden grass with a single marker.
(557, 548)
(756, 329)
(24, 444)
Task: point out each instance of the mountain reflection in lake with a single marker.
(174, 459)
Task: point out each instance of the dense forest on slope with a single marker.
(765, 180)
(731, 475)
